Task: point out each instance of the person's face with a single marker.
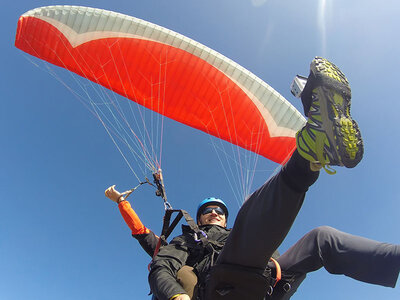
(210, 216)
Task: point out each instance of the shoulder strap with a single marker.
(169, 227)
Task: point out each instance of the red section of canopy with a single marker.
(163, 78)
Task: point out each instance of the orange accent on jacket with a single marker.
(132, 219)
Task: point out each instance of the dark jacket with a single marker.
(184, 250)
(148, 241)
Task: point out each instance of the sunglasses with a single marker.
(209, 210)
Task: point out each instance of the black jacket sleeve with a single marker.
(148, 241)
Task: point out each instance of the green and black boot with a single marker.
(330, 136)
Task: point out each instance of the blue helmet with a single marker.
(211, 201)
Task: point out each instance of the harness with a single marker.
(224, 282)
(200, 237)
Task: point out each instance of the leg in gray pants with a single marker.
(264, 221)
(341, 253)
(267, 215)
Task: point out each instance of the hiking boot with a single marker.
(330, 136)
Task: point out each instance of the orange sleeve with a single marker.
(131, 218)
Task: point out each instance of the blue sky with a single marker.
(60, 238)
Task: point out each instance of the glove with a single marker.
(114, 195)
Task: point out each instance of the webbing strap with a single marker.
(156, 250)
(168, 228)
(165, 229)
(278, 271)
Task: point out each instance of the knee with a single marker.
(188, 280)
(323, 234)
(323, 230)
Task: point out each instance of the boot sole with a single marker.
(334, 94)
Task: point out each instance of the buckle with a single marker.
(287, 287)
(196, 237)
(270, 290)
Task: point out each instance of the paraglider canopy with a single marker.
(137, 59)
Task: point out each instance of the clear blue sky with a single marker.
(60, 238)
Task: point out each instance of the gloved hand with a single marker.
(182, 297)
(114, 195)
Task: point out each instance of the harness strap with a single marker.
(164, 230)
(168, 228)
(278, 271)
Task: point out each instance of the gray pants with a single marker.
(267, 216)
(341, 253)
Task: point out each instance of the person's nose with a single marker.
(213, 212)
